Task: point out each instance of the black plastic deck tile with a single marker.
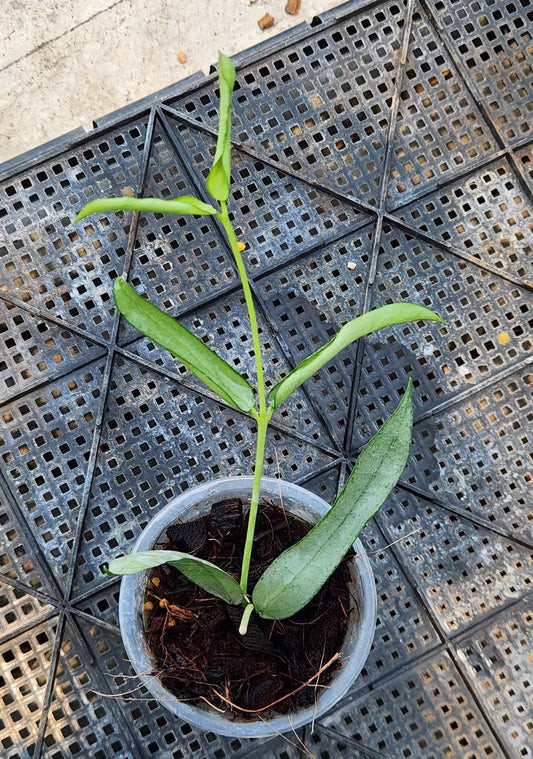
(308, 301)
(44, 448)
(42, 351)
(492, 40)
(381, 153)
(25, 672)
(524, 158)
(403, 631)
(496, 660)
(481, 475)
(426, 711)
(488, 214)
(488, 328)
(321, 105)
(463, 571)
(47, 263)
(440, 128)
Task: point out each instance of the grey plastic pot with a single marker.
(301, 503)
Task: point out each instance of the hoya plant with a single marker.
(295, 577)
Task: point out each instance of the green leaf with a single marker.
(218, 181)
(182, 344)
(203, 573)
(395, 313)
(292, 580)
(186, 204)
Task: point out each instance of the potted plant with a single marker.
(191, 575)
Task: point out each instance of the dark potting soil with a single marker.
(194, 639)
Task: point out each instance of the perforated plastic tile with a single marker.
(57, 268)
(488, 215)
(25, 663)
(488, 473)
(498, 660)
(284, 747)
(18, 608)
(41, 351)
(103, 606)
(21, 562)
(82, 723)
(328, 745)
(524, 157)
(277, 216)
(44, 448)
(155, 730)
(403, 630)
(440, 130)
(426, 711)
(324, 746)
(308, 301)
(179, 261)
(315, 119)
(325, 484)
(322, 105)
(488, 328)
(463, 570)
(493, 41)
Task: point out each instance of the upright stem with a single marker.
(263, 417)
(228, 228)
(262, 425)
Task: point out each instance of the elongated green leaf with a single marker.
(186, 204)
(203, 573)
(297, 575)
(218, 181)
(189, 349)
(395, 313)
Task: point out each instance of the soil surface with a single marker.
(200, 655)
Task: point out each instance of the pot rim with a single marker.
(358, 639)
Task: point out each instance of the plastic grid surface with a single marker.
(381, 153)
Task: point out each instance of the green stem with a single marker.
(263, 417)
(228, 228)
(243, 627)
(262, 425)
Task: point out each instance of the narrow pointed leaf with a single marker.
(292, 580)
(395, 313)
(203, 573)
(187, 204)
(218, 181)
(184, 345)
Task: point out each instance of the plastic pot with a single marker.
(192, 504)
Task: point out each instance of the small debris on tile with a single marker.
(351, 265)
(182, 57)
(503, 338)
(293, 7)
(128, 192)
(241, 246)
(266, 22)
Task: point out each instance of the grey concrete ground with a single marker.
(64, 63)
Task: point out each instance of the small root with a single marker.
(283, 698)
